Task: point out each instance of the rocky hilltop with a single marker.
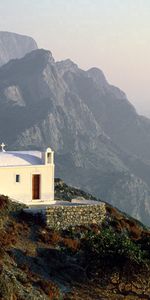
(14, 46)
(109, 261)
(101, 143)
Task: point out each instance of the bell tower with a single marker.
(48, 157)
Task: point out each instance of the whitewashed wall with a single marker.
(22, 191)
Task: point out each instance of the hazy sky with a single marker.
(113, 35)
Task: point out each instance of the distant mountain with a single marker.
(14, 46)
(115, 114)
(90, 124)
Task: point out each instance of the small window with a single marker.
(17, 178)
(49, 158)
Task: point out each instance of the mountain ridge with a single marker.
(58, 104)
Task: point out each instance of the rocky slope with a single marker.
(112, 110)
(14, 46)
(47, 103)
(111, 261)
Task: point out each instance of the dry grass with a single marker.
(4, 201)
(7, 239)
(72, 244)
(122, 223)
(50, 237)
(49, 288)
(53, 238)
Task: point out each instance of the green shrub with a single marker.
(110, 244)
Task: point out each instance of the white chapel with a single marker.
(27, 176)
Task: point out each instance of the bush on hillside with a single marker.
(113, 245)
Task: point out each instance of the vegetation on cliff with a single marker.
(111, 261)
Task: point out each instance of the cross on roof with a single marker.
(2, 146)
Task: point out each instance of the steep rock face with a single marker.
(14, 46)
(46, 103)
(112, 111)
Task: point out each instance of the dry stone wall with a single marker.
(62, 217)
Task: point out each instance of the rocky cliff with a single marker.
(14, 46)
(83, 118)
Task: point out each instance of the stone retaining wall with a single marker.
(61, 217)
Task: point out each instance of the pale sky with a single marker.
(113, 35)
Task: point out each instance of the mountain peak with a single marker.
(7, 34)
(67, 65)
(41, 55)
(13, 45)
(97, 75)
